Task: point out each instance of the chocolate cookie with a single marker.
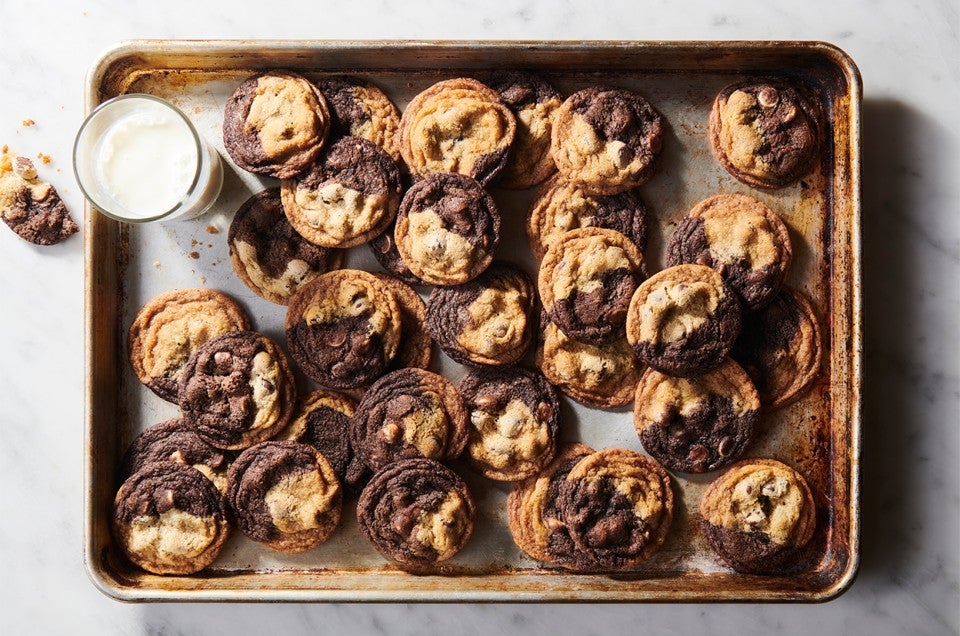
(606, 139)
(275, 124)
(322, 420)
(407, 414)
(348, 197)
(360, 109)
(169, 519)
(237, 390)
(535, 520)
(284, 495)
(31, 207)
(174, 441)
(779, 348)
(171, 327)
(384, 249)
(683, 320)
(416, 345)
(269, 255)
(739, 237)
(514, 422)
(447, 229)
(457, 125)
(416, 512)
(604, 376)
(757, 515)
(586, 280)
(764, 132)
(343, 328)
(534, 103)
(697, 424)
(489, 320)
(618, 506)
(561, 206)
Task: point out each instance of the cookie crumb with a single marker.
(28, 122)
(156, 263)
(203, 280)
(212, 229)
(44, 159)
(194, 255)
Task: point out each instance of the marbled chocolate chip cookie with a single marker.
(360, 109)
(174, 441)
(384, 249)
(31, 207)
(416, 344)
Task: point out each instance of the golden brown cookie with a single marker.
(514, 422)
(586, 281)
(683, 320)
(237, 390)
(757, 515)
(604, 376)
(487, 321)
(416, 345)
(170, 519)
(170, 327)
(447, 229)
(561, 206)
(457, 125)
(535, 521)
(269, 255)
(697, 424)
(343, 328)
(617, 506)
(285, 495)
(358, 108)
(534, 103)
(606, 139)
(739, 237)
(765, 132)
(31, 207)
(275, 124)
(779, 347)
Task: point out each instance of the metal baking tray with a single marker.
(819, 434)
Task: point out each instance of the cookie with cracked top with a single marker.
(358, 108)
(606, 140)
(275, 124)
(417, 512)
(683, 320)
(174, 441)
(741, 238)
(284, 495)
(29, 206)
(269, 255)
(765, 132)
(169, 519)
(697, 424)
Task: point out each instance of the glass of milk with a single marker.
(138, 158)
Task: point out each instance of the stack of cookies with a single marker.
(380, 428)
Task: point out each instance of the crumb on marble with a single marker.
(28, 122)
(194, 255)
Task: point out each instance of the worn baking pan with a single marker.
(819, 434)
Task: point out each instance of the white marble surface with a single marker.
(908, 54)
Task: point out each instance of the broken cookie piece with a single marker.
(31, 207)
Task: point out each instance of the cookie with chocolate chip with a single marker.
(345, 199)
(29, 206)
(284, 495)
(416, 512)
(617, 506)
(322, 420)
(758, 515)
(447, 229)
(604, 375)
(586, 281)
(269, 255)
(359, 108)
(174, 441)
(765, 132)
(416, 344)
(343, 328)
(406, 414)
(169, 519)
(606, 139)
(514, 422)
(170, 328)
(561, 206)
(683, 320)
(237, 390)
(275, 124)
(534, 103)
(487, 321)
(779, 348)
(457, 126)
(697, 424)
(739, 237)
(384, 249)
